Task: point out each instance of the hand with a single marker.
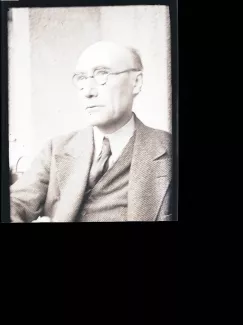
(43, 219)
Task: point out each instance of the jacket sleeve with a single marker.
(28, 194)
(165, 213)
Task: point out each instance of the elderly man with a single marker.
(117, 169)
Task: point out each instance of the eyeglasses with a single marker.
(100, 76)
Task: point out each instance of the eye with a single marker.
(101, 73)
(80, 77)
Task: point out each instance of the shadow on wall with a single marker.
(20, 168)
(19, 161)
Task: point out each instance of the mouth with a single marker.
(94, 106)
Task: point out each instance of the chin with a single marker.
(97, 120)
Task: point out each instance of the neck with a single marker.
(114, 126)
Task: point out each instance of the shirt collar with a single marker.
(118, 139)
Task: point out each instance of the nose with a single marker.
(90, 90)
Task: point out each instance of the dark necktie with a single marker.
(100, 165)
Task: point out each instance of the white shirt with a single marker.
(118, 140)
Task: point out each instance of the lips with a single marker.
(93, 106)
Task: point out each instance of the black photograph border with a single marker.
(5, 6)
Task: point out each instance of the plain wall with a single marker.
(19, 66)
(55, 39)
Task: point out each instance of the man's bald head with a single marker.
(113, 54)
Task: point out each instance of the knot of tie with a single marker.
(100, 166)
(106, 149)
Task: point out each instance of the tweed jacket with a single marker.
(54, 185)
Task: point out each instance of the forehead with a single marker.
(108, 56)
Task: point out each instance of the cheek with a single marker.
(82, 99)
(116, 96)
(119, 96)
(122, 98)
(110, 97)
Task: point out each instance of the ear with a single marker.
(138, 82)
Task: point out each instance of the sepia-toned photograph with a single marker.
(90, 114)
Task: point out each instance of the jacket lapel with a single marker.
(73, 166)
(149, 175)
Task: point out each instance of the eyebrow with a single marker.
(99, 67)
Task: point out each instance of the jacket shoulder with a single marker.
(60, 141)
(164, 137)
